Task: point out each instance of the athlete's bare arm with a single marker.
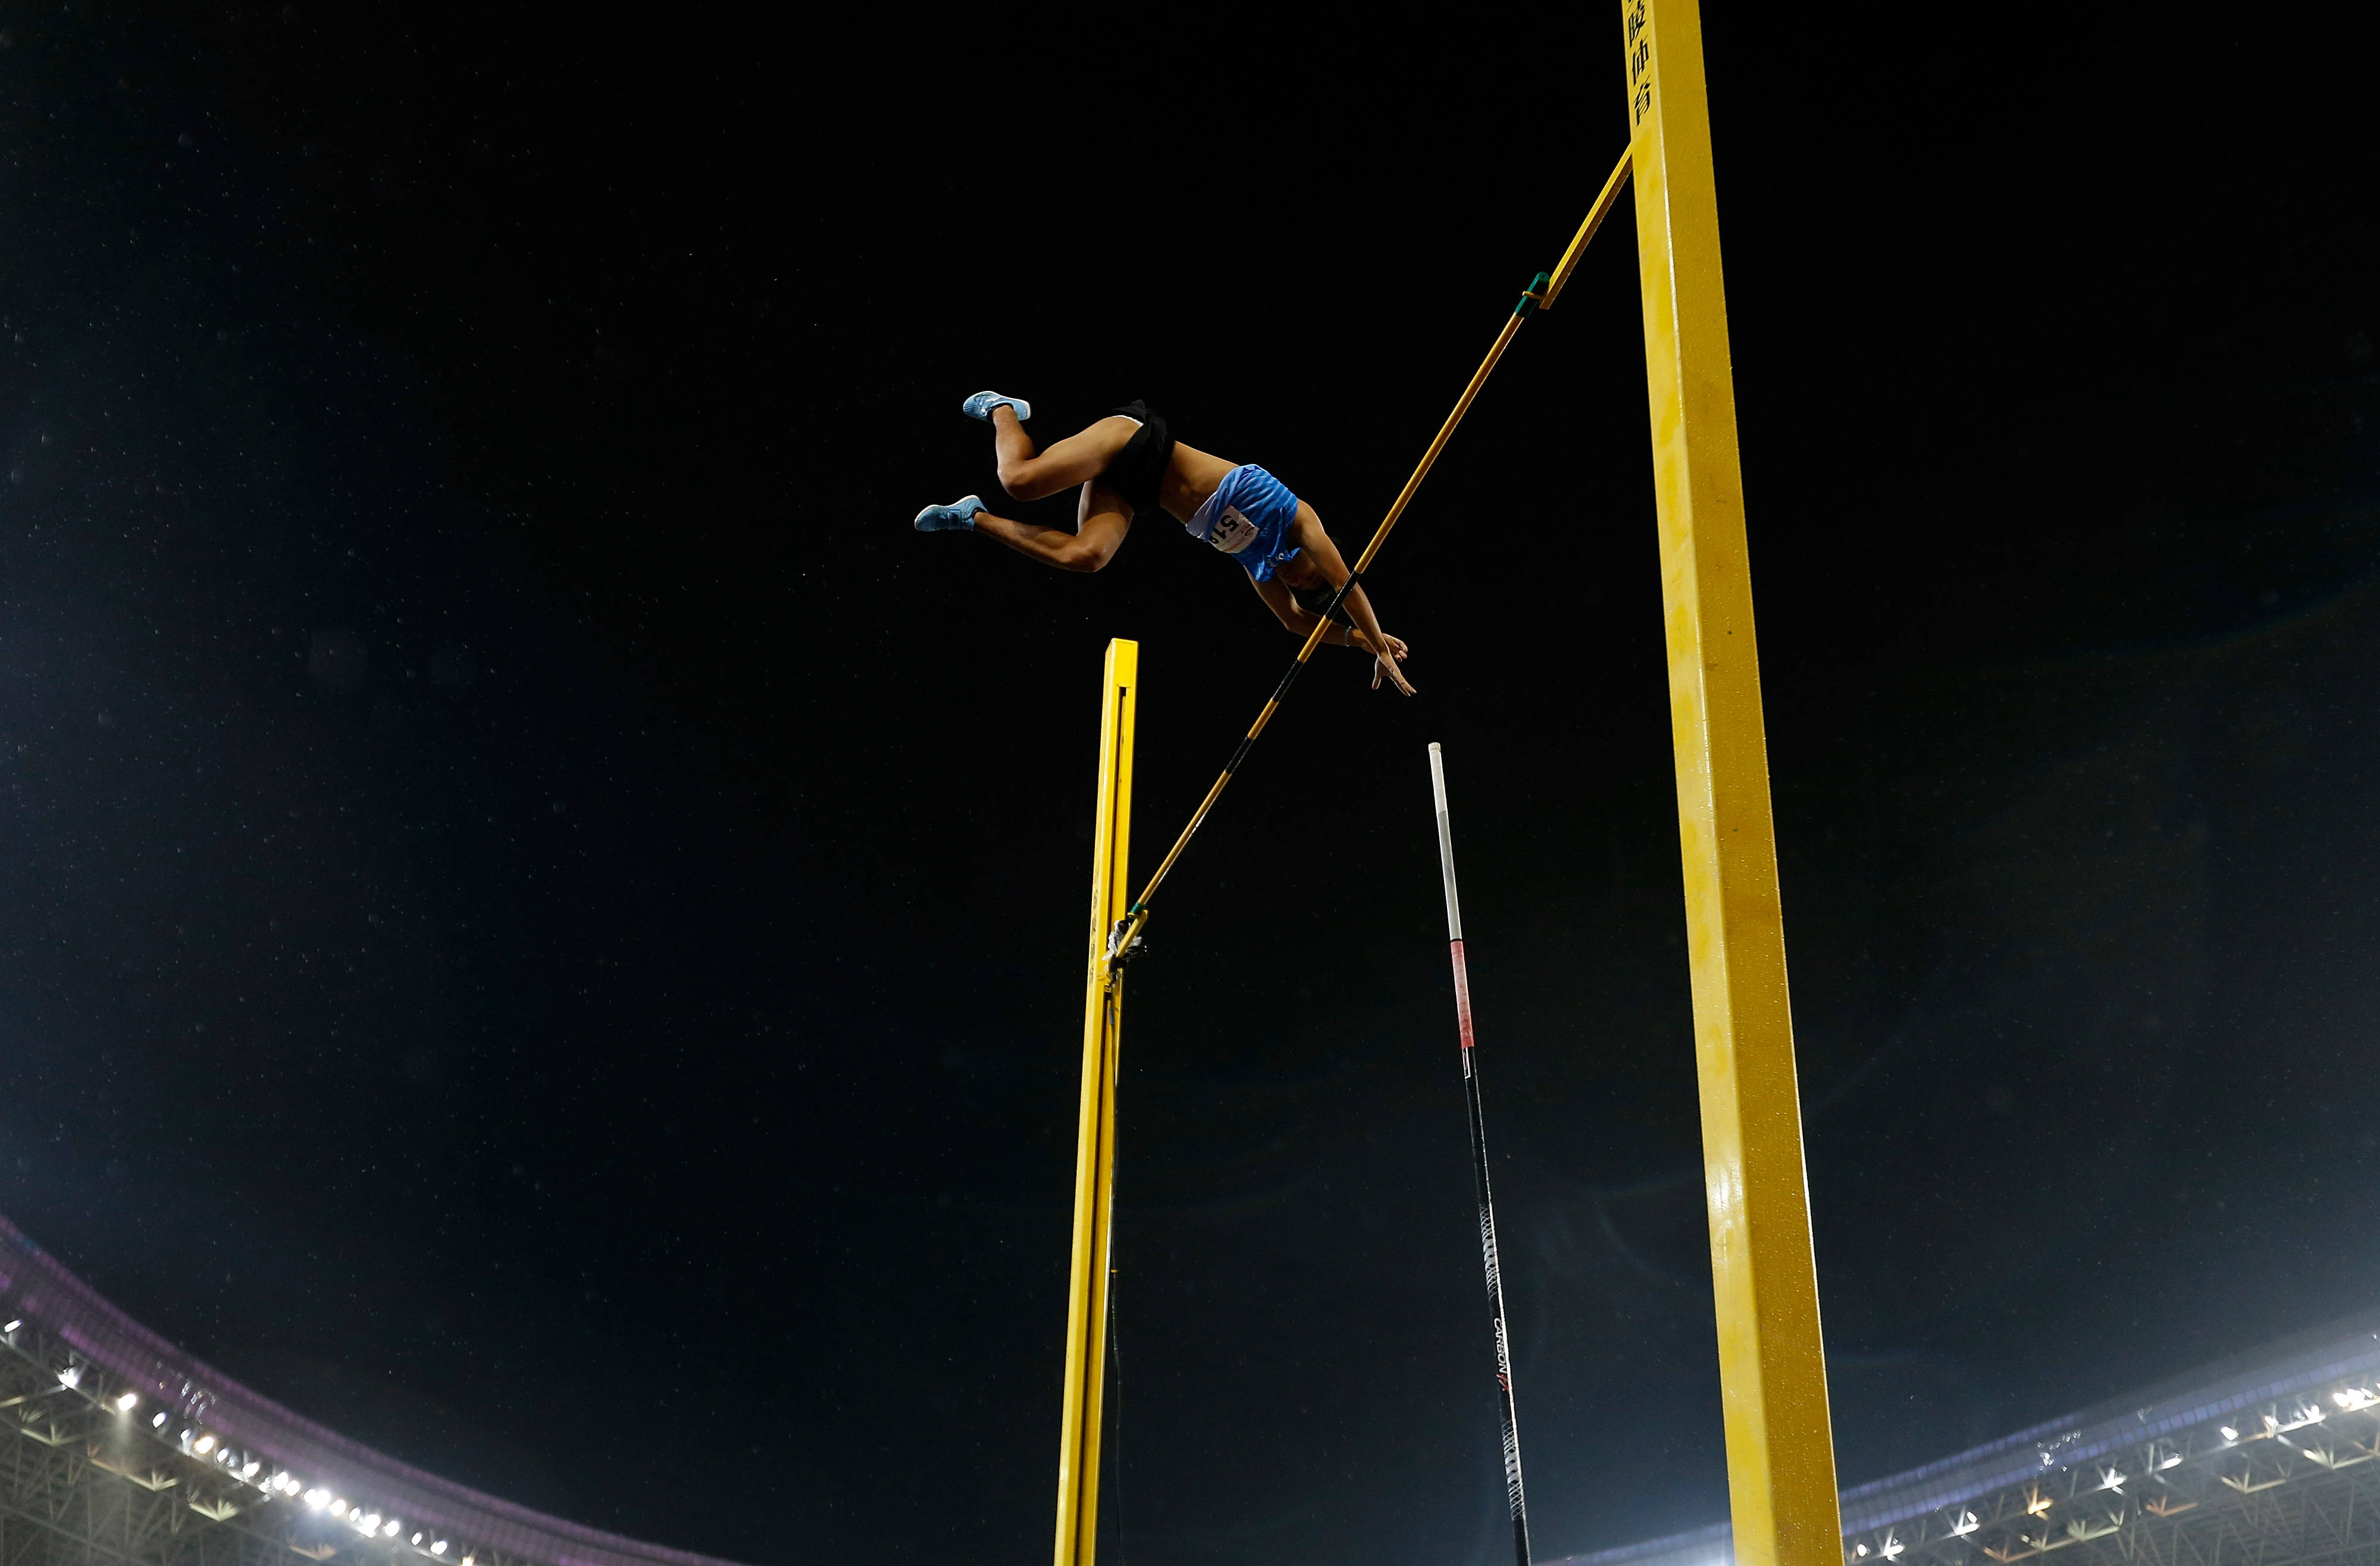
(1318, 564)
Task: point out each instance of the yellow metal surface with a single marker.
(1772, 1367)
(1087, 1305)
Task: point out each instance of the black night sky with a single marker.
(540, 923)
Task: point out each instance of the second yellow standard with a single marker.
(1087, 1302)
(1772, 1367)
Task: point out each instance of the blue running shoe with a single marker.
(956, 516)
(980, 405)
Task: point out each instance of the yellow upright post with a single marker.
(1772, 1368)
(1087, 1305)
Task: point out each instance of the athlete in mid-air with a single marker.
(1128, 463)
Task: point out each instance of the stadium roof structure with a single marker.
(131, 1452)
(2254, 1461)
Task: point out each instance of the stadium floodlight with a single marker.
(317, 1498)
(1965, 1524)
(247, 1470)
(1860, 1550)
(2113, 1479)
(13, 1325)
(2170, 1460)
(339, 1507)
(124, 1404)
(2229, 1434)
(439, 1548)
(203, 1445)
(1892, 1547)
(2035, 1503)
(389, 1529)
(158, 1422)
(71, 1377)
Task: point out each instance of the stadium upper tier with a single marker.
(134, 1453)
(2258, 1460)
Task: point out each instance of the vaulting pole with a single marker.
(1516, 1497)
(1772, 1367)
(1086, 1304)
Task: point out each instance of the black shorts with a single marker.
(1138, 471)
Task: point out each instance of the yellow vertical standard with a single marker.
(1087, 1305)
(1772, 1368)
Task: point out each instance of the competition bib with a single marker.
(1232, 531)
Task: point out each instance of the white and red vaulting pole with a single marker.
(1512, 1490)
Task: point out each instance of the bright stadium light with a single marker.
(318, 1498)
(339, 1508)
(1965, 1524)
(439, 1548)
(203, 1445)
(12, 1326)
(389, 1528)
(417, 1539)
(1892, 1547)
(1860, 1550)
(2229, 1434)
(2171, 1460)
(2113, 1480)
(71, 1377)
(159, 1422)
(124, 1404)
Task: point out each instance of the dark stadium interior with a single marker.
(541, 922)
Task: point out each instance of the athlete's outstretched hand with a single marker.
(1388, 665)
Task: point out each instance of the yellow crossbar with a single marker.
(1138, 916)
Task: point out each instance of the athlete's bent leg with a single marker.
(1075, 460)
(1100, 524)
